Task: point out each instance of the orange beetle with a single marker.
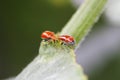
(66, 39)
(48, 35)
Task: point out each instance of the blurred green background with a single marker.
(22, 22)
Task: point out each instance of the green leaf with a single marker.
(53, 63)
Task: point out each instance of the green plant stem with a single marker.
(58, 63)
(83, 20)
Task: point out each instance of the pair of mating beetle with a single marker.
(65, 39)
